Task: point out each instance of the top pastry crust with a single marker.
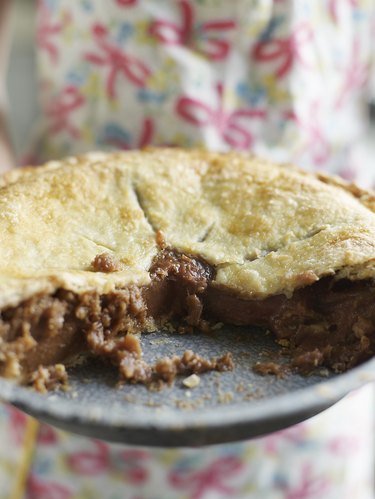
(266, 229)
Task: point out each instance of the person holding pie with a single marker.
(285, 80)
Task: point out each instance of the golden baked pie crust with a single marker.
(95, 225)
(267, 229)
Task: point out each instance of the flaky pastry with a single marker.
(99, 247)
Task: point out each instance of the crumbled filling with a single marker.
(330, 323)
(106, 262)
(132, 368)
(270, 367)
(49, 378)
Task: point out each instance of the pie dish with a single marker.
(101, 247)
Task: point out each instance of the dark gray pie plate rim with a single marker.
(166, 428)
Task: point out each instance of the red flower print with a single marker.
(228, 124)
(90, 462)
(122, 142)
(100, 460)
(126, 3)
(332, 7)
(46, 31)
(134, 464)
(209, 479)
(117, 60)
(284, 51)
(206, 36)
(147, 133)
(60, 109)
(38, 489)
(344, 445)
(355, 77)
(309, 487)
(47, 435)
(293, 435)
(348, 173)
(316, 144)
(18, 423)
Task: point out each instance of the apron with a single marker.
(285, 79)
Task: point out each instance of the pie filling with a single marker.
(330, 323)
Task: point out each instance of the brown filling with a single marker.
(329, 323)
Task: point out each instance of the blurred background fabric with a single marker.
(22, 85)
(21, 78)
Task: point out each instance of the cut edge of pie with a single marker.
(98, 248)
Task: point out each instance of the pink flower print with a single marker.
(355, 77)
(228, 124)
(18, 423)
(147, 133)
(209, 479)
(60, 109)
(295, 435)
(115, 136)
(38, 489)
(126, 3)
(100, 460)
(46, 31)
(316, 144)
(117, 60)
(90, 462)
(29, 159)
(283, 51)
(332, 7)
(134, 466)
(344, 445)
(47, 435)
(309, 487)
(205, 37)
(348, 173)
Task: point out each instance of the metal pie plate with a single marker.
(224, 407)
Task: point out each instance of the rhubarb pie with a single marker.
(99, 248)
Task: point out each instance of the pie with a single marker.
(98, 248)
